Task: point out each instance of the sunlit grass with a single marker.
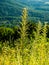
(34, 53)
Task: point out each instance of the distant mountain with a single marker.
(14, 7)
(12, 10)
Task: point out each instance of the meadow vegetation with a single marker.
(26, 44)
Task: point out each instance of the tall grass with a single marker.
(36, 52)
(23, 28)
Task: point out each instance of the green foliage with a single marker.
(23, 28)
(27, 51)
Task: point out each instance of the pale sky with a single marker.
(39, 0)
(34, 0)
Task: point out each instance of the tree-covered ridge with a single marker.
(10, 11)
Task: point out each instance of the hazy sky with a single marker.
(34, 0)
(39, 0)
(45, 1)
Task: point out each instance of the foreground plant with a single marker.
(36, 52)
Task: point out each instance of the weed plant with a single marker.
(27, 52)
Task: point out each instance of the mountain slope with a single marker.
(8, 8)
(12, 10)
(14, 7)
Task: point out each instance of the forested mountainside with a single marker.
(11, 10)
